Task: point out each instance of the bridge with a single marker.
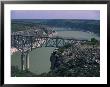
(26, 43)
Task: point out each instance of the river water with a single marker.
(40, 57)
(81, 35)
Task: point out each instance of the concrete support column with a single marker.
(27, 60)
(22, 61)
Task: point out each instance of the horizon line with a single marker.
(60, 19)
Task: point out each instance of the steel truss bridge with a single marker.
(26, 43)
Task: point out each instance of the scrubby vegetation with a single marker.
(59, 24)
(71, 60)
(77, 60)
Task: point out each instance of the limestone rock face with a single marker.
(79, 61)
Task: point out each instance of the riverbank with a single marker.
(75, 61)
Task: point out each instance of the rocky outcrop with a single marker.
(76, 60)
(56, 59)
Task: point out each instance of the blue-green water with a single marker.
(81, 35)
(40, 57)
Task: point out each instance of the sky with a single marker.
(55, 14)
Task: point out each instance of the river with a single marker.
(40, 57)
(81, 35)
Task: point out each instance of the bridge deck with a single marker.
(27, 42)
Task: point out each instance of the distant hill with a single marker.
(64, 24)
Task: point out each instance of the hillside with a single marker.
(78, 60)
(63, 24)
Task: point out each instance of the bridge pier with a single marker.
(22, 62)
(25, 61)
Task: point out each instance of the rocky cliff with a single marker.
(76, 60)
